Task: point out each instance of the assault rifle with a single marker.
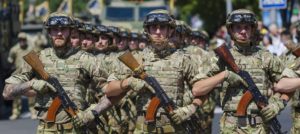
(252, 92)
(161, 98)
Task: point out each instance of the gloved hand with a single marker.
(234, 79)
(41, 86)
(137, 84)
(273, 109)
(181, 114)
(82, 118)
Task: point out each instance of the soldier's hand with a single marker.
(181, 114)
(41, 86)
(234, 79)
(82, 118)
(273, 109)
(138, 85)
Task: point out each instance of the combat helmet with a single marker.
(103, 30)
(86, 28)
(58, 19)
(159, 16)
(241, 16)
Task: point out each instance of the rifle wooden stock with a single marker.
(128, 59)
(33, 60)
(296, 52)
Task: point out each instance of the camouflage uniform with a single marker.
(75, 70)
(76, 66)
(16, 57)
(206, 112)
(123, 115)
(265, 70)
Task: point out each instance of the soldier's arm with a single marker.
(285, 79)
(203, 87)
(14, 90)
(116, 87)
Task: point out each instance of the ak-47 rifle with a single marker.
(161, 98)
(252, 92)
(60, 98)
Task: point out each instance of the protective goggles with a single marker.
(114, 29)
(59, 20)
(152, 18)
(134, 35)
(88, 27)
(242, 18)
(102, 29)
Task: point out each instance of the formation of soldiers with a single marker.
(84, 58)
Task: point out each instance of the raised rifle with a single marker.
(161, 98)
(252, 92)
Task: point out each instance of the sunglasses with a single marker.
(60, 20)
(242, 18)
(157, 18)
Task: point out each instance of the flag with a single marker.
(95, 7)
(66, 7)
(42, 10)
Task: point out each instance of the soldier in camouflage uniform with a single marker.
(134, 42)
(171, 68)
(88, 38)
(15, 57)
(265, 69)
(200, 39)
(76, 34)
(74, 69)
(143, 41)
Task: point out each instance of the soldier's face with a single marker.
(158, 31)
(198, 42)
(87, 42)
(133, 44)
(142, 45)
(75, 38)
(23, 43)
(242, 32)
(122, 44)
(102, 42)
(59, 36)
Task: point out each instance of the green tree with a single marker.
(212, 12)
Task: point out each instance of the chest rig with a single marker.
(68, 72)
(254, 64)
(169, 73)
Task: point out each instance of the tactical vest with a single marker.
(67, 71)
(169, 73)
(254, 64)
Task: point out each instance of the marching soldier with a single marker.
(265, 68)
(75, 70)
(171, 68)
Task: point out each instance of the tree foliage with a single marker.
(212, 12)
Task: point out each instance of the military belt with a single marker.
(156, 127)
(56, 126)
(251, 120)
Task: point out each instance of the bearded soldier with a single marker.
(171, 68)
(74, 69)
(265, 69)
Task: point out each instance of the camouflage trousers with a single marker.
(52, 128)
(161, 126)
(229, 125)
(296, 120)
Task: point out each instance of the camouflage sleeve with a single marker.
(192, 72)
(26, 75)
(275, 68)
(11, 56)
(98, 76)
